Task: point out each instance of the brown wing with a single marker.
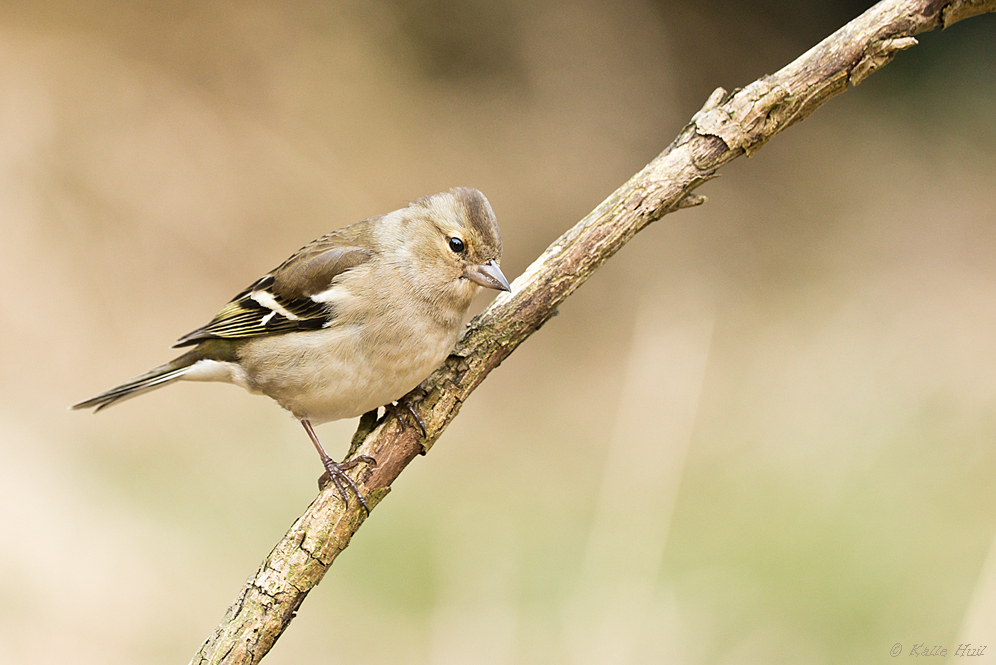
(282, 301)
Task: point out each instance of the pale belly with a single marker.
(334, 373)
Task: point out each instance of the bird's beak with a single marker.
(487, 275)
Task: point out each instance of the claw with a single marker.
(404, 407)
(338, 475)
(337, 472)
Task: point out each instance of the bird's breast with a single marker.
(346, 370)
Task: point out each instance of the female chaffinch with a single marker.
(352, 321)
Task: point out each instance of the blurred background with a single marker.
(764, 432)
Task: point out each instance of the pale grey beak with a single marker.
(487, 275)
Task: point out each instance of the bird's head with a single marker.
(451, 246)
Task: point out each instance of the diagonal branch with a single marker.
(725, 128)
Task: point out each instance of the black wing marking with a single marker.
(282, 301)
(246, 316)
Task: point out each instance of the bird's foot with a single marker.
(336, 473)
(403, 408)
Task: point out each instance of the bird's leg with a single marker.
(337, 472)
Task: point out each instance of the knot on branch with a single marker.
(745, 122)
(690, 201)
(952, 12)
(877, 55)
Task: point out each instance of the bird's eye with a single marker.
(456, 245)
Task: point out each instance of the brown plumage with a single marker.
(350, 322)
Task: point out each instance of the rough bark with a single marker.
(729, 125)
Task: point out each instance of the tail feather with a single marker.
(156, 378)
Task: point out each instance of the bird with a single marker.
(352, 321)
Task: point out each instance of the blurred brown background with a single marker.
(764, 432)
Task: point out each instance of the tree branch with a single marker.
(726, 127)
